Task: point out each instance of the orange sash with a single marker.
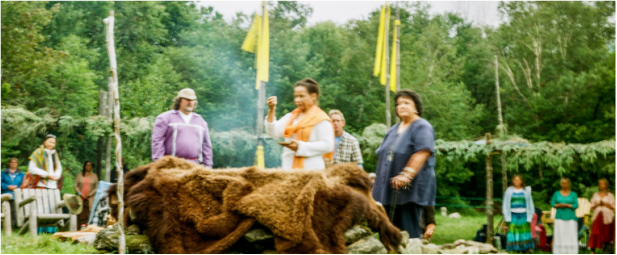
(303, 129)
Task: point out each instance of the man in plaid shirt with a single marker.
(346, 147)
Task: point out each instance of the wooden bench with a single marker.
(41, 208)
(6, 214)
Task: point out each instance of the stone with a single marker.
(459, 242)
(356, 233)
(444, 211)
(431, 249)
(414, 246)
(87, 240)
(484, 248)
(404, 238)
(472, 250)
(107, 239)
(256, 235)
(367, 245)
(455, 251)
(132, 230)
(455, 215)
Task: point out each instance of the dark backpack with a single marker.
(481, 234)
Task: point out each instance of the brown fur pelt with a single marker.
(186, 208)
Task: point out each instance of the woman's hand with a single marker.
(52, 177)
(272, 102)
(399, 181)
(292, 146)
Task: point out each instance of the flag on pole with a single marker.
(393, 59)
(258, 41)
(380, 55)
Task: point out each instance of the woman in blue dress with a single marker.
(406, 163)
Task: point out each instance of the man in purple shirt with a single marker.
(182, 133)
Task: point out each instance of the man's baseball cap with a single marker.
(187, 93)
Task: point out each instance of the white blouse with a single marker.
(321, 141)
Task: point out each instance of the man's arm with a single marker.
(207, 148)
(158, 137)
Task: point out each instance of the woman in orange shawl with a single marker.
(307, 129)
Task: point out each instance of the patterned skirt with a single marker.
(519, 234)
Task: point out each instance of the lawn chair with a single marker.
(43, 208)
(6, 214)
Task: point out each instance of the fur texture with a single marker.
(186, 208)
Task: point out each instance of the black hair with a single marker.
(83, 170)
(310, 85)
(415, 97)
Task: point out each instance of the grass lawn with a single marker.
(449, 230)
(42, 244)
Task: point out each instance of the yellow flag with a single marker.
(250, 41)
(258, 41)
(380, 35)
(383, 71)
(393, 78)
(263, 53)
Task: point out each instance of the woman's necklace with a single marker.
(398, 136)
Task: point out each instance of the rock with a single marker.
(455, 251)
(132, 230)
(356, 233)
(414, 246)
(444, 211)
(87, 240)
(431, 249)
(138, 244)
(462, 246)
(483, 248)
(459, 242)
(425, 241)
(404, 238)
(455, 215)
(107, 239)
(367, 245)
(256, 235)
(472, 250)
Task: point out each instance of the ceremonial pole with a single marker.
(259, 154)
(109, 21)
(387, 45)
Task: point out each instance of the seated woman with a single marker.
(12, 178)
(307, 129)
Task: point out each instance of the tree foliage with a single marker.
(556, 70)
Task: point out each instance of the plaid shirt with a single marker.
(348, 150)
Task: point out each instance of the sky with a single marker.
(480, 12)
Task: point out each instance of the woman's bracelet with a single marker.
(406, 175)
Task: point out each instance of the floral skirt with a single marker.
(519, 234)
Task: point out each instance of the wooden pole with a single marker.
(489, 193)
(261, 101)
(388, 117)
(109, 21)
(504, 173)
(110, 111)
(99, 142)
(398, 50)
(398, 56)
